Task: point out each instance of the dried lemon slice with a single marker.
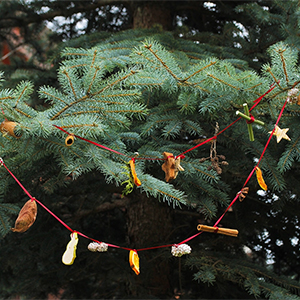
(134, 261)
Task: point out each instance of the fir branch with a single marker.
(25, 88)
(93, 79)
(222, 81)
(79, 125)
(149, 47)
(198, 71)
(281, 51)
(23, 113)
(132, 72)
(43, 92)
(70, 82)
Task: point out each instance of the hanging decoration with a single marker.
(70, 253)
(8, 127)
(214, 158)
(169, 166)
(260, 179)
(26, 217)
(215, 229)
(292, 96)
(280, 133)
(178, 167)
(136, 181)
(242, 193)
(134, 261)
(132, 177)
(69, 141)
(179, 250)
(249, 120)
(100, 247)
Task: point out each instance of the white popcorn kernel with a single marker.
(179, 250)
(102, 247)
(93, 246)
(292, 96)
(293, 92)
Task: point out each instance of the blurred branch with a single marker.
(16, 21)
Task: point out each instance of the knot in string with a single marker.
(251, 120)
(181, 156)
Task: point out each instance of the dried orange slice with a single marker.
(260, 179)
(137, 182)
(134, 261)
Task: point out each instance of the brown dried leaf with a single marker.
(26, 217)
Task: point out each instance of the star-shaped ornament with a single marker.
(280, 133)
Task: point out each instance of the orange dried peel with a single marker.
(260, 179)
(137, 182)
(134, 261)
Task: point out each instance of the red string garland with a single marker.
(181, 156)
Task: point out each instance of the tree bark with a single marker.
(149, 13)
(149, 224)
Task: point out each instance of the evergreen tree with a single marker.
(150, 92)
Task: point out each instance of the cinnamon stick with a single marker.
(213, 229)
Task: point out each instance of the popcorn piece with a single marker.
(100, 247)
(179, 250)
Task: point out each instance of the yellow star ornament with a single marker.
(280, 133)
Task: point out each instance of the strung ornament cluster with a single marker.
(171, 167)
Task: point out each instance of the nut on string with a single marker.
(213, 229)
(8, 127)
(169, 166)
(179, 250)
(242, 193)
(134, 261)
(70, 253)
(214, 157)
(26, 217)
(69, 141)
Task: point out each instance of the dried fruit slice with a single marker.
(134, 261)
(137, 182)
(260, 179)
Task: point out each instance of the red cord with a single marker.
(214, 137)
(182, 156)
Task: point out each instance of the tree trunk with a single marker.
(148, 13)
(149, 224)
